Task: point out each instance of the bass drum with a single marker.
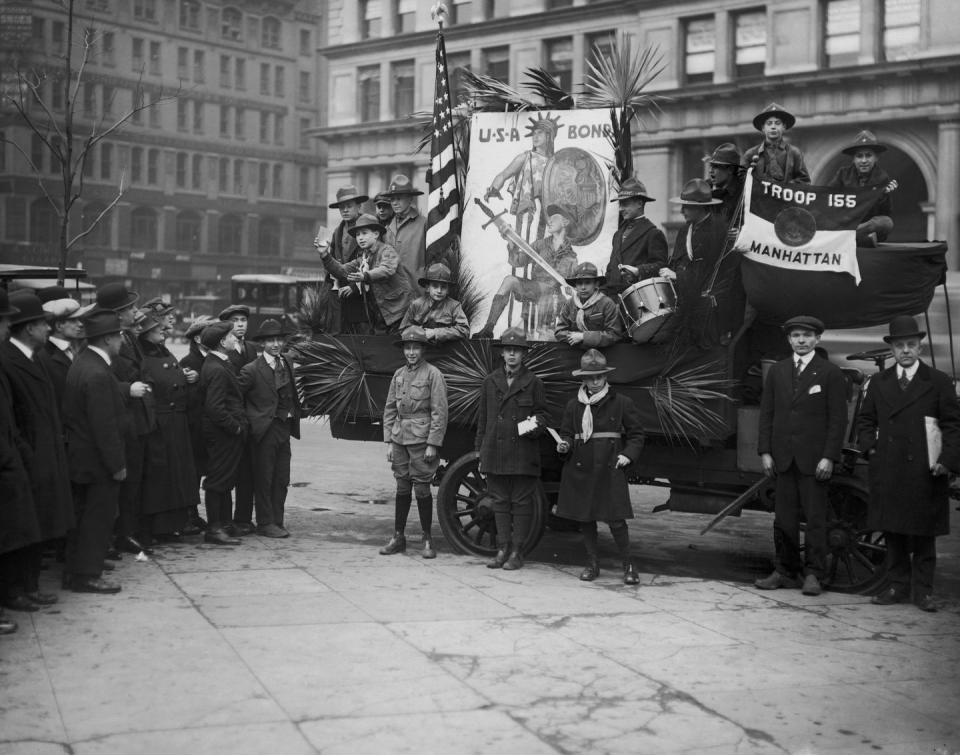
(646, 307)
(573, 179)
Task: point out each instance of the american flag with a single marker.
(443, 204)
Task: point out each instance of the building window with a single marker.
(43, 222)
(265, 79)
(145, 10)
(700, 50)
(306, 45)
(199, 66)
(369, 80)
(225, 71)
(231, 24)
(240, 73)
(279, 78)
(89, 99)
(137, 47)
(101, 6)
(182, 170)
(198, 116)
(37, 152)
(155, 58)
(405, 16)
(107, 48)
(153, 166)
(461, 11)
(557, 4)
(750, 38)
(88, 160)
(240, 124)
(106, 162)
(496, 63)
(599, 45)
(38, 31)
(269, 237)
(901, 29)
(304, 139)
(136, 165)
(183, 57)
(278, 180)
(154, 110)
(457, 63)
(190, 15)
(55, 162)
(263, 177)
(560, 61)
(225, 121)
(304, 86)
(270, 33)
(223, 174)
(841, 34)
(143, 229)
(99, 235)
(279, 126)
(58, 37)
(188, 231)
(196, 172)
(238, 187)
(230, 234)
(107, 94)
(403, 87)
(182, 115)
(370, 19)
(496, 9)
(264, 127)
(304, 183)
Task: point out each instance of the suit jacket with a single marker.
(904, 496)
(96, 419)
(222, 400)
(257, 384)
(640, 243)
(247, 353)
(502, 450)
(805, 426)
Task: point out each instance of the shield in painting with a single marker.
(574, 179)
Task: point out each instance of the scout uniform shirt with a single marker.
(416, 408)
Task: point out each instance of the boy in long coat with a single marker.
(511, 461)
(909, 489)
(602, 432)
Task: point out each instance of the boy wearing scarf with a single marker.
(590, 319)
(602, 435)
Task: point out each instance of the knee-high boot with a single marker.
(398, 543)
(425, 510)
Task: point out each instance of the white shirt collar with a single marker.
(224, 357)
(61, 343)
(911, 370)
(805, 359)
(27, 351)
(104, 355)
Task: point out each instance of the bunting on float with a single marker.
(443, 202)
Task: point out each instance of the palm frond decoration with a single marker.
(681, 398)
(464, 369)
(545, 86)
(333, 381)
(487, 94)
(469, 293)
(317, 311)
(551, 364)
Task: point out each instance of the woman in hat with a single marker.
(441, 317)
(864, 172)
(775, 158)
(375, 274)
(601, 435)
(170, 492)
(639, 247)
(589, 319)
(414, 423)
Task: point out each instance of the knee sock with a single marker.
(401, 511)
(621, 536)
(589, 531)
(425, 509)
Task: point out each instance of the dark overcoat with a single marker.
(243, 356)
(592, 489)
(18, 518)
(904, 497)
(194, 360)
(58, 365)
(640, 243)
(224, 422)
(258, 385)
(126, 366)
(38, 420)
(708, 238)
(95, 418)
(502, 450)
(805, 426)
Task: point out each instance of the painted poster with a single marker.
(538, 203)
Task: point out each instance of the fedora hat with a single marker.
(214, 333)
(586, 271)
(904, 326)
(401, 186)
(513, 337)
(803, 321)
(348, 193)
(864, 140)
(195, 327)
(633, 189)
(100, 322)
(368, 223)
(115, 296)
(412, 334)
(436, 273)
(592, 363)
(696, 192)
(773, 110)
(234, 309)
(270, 328)
(6, 309)
(725, 154)
(61, 309)
(29, 307)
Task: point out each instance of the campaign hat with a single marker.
(348, 193)
(270, 328)
(864, 140)
(773, 109)
(435, 273)
(195, 327)
(696, 192)
(586, 271)
(61, 309)
(592, 363)
(366, 222)
(100, 322)
(6, 309)
(513, 337)
(804, 321)
(214, 333)
(904, 326)
(234, 309)
(725, 154)
(633, 189)
(29, 307)
(412, 334)
(401, 186)
(115, 296)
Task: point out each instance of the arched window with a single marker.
(44, 223)
(100, 235)
(231, 25)
(230, 234)
(270, 33)
(188, 231)
(269, 241)
(143, 229)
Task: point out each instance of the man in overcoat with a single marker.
(273, 409)
(95, 416)
(38, 420)
(803, 413)
(191, 364)
(63, 344)
(639, 247)
(909, 480)
(407, 229)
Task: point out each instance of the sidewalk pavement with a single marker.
(318, 644)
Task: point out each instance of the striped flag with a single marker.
(443, 204)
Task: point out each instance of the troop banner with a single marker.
(802, 227)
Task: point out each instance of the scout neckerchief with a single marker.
(581, 320)
(586, 424)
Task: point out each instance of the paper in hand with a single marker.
(527, 425)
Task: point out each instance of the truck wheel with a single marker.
(856, 556)
(466, 514)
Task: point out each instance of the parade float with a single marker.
(696, 380)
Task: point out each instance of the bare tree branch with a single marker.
(100, 216)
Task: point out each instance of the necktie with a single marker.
(797, 369)
(904, 380)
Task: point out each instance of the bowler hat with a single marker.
(592, 363)
(6, 309)
(214, 333)
(904, 326)
(412, 334)
(61, 309)
(195, 327)
(235, 309)
(29, 306)
(864, 140)
(368, 223)
(696, 192)
(115, 296)
(806, 322)
(348, 194)
(52, 293)
(633, 189)
(513, 337)
(725, 154)
(270, 328)
(773, 110)
(436, 273)
(401, 186)
(586, 271)
(100, 322)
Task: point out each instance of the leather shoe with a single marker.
(630, 576)
(926, 604)
(272, 530)
(7, 626)
(239, 529)
(107, 566)
(428, 551)
(94, 584)
(41, 598)
(397, 544)
(776, 581)
(20, 603)
(114, 555)
(888, 597)
(811, 585)
(590, 572)
(514, 562)
(130, 544)
(190, 530)
(219, 536)
(499, 560)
